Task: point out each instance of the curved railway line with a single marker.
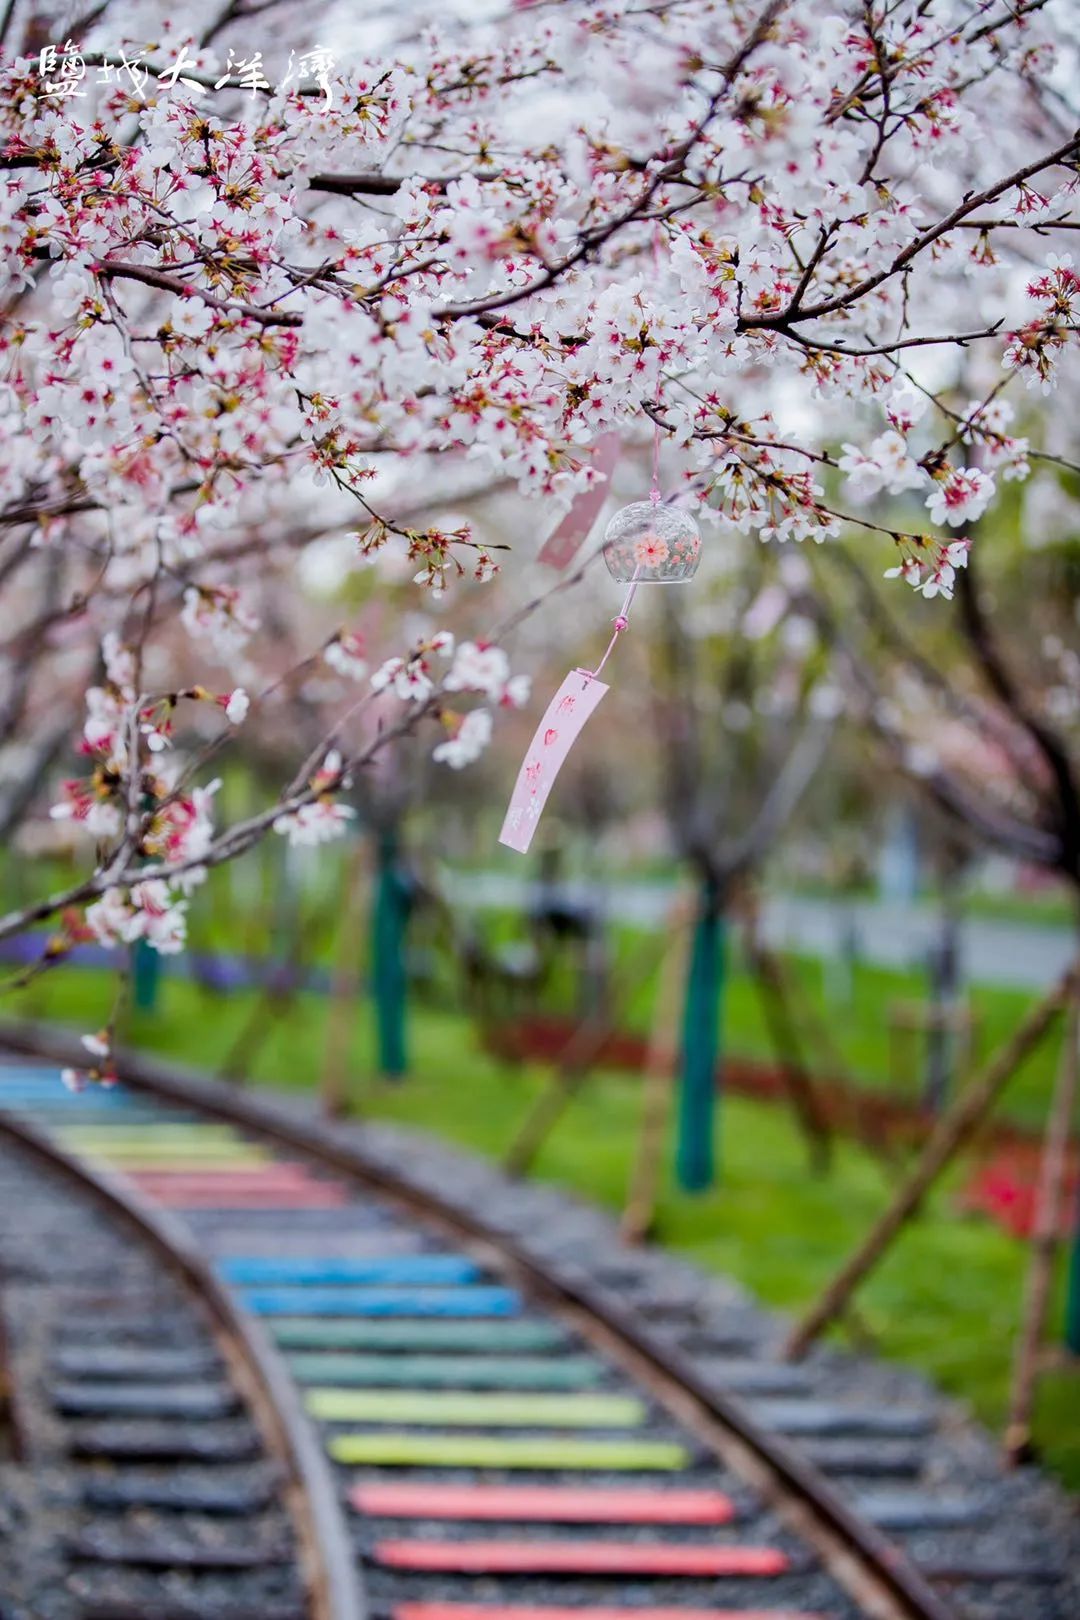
(462, 1424)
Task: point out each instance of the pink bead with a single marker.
(621, 622)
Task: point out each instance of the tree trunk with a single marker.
(1045, 1235)
(640, 1212)
(942, 1035)
(344, 990)
(810, 1113)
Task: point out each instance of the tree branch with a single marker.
(111, 269)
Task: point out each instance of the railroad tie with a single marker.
(165, 1553)
(447, 1371)
(79, 1361)
(404, 1449)
(167, 1443)
(167, 1609)
(130, 1399)
(827, 1418)
(274, 1174)
(423, 1335)
(135, 1136)
(542, 1504)
(920, 1510)
(468, 1300)
(181, 1493)
(614, 1558)
(462, 1409)
(514, 1611)
(178, 1158)
(277, 1186)
(396, 1269)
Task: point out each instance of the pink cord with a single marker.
(621, 620)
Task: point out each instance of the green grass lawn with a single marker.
(944, 1301)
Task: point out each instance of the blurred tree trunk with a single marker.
(345, 988)
(660, 1065)
(1045, 1236)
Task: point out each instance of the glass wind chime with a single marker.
(645, 543)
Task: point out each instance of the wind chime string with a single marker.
(620, 622)
(622, 618)
(644, 542)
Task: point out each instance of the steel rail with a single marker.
(867, 1563)
(328, 1565)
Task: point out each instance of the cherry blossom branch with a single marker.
(235, 841)
(668, 171)
(981, 639)
(1005, 832)
(928, 670)
(923, 240)
(113, 270)
(958, 340)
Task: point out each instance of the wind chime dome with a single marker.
(652, 544)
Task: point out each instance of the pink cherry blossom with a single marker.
(650, 551)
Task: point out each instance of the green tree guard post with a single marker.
(145, 975)
(389, 979)
(1072, 1302)
(694, 1164)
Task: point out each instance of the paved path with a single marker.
(1024, 956)
(889, 934)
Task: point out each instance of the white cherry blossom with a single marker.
(467, 743)
(960, 496)
(883, 465)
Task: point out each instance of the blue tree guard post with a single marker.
(389, 977)
(694, 1163)
(145, 975)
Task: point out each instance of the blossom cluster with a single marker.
(250, 297)
(139, 807)
(474, 667)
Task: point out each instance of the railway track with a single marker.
(484, 1424)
